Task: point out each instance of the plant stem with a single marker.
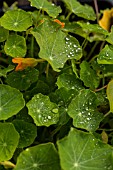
(92, 50)
(107, 113)
(96, 9)
(96, 90)
(32, 47)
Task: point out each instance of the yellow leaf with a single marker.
(110, 94)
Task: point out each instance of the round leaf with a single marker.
(11, 101)
(82, 151)
(50, 8)
(106, 55)
(88, 75)
(15, 46)
(16, 20)
(69, 81)
(9, 139)
(42, 110)
(3, 34)
(27, 132)
(22, 79)
(43, 157)
(84, 112)
(48, 35)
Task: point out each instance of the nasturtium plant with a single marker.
(56, 86)
(15, 46)
(11, 101)
(42, 110)
(9, 139)
(17, 20)
(43, 157)
(81, 150)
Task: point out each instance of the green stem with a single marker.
(92, 50)
(32, 47)
(67, 17)
(107, 114)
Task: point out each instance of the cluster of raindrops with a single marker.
(72, 48)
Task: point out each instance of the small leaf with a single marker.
(22, 80)
(48, 35)
(17, 20)
(44, 112)
(15, 46)
(84, 111)
(110, 94)
(11, 101)
(84, 11)
(104, 137)
(109, 38)
(3, 34)
(69, 81)
(106, 55)
(27, 132)
(9, 139)
(82, 151)
(43, 157)
(88, 75)
(51, 9)
(3, 72)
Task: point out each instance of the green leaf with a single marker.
(50, 8)
(15, 46)
(42, 110)
(9, 139)
(110, 94)
(69, 81)
(82, 151)
(22, 80)
(109, 38)
(17, 20)
(43, 157)
(3, 72)
(11, 101)
(84, 111)
(3, 34)
(88, 75)
(84, 11)
(48, 35)
(27, 132)
(106, 55)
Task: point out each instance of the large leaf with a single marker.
(16, 20)
(15, 46)
(106, 55)
(27, 132)
(51, 9)
(84, 111)
(82, 151)
(22, 80)
(11, 101)
(42, 110)
(83, 11)
(9, 139)
(110, 94)
(88, 75)
(3, 34)
(48, 35)
(42, 157)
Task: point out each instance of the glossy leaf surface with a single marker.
(82, 151)
(48, 35)
(9, 139)
(110, 94)
(42, 110)
(3, 34)
(11, 101)
(15, 46)
(17, 20)
(84, 112)
(43, 157)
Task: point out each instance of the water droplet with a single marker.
(67, 38)
(49, 117)
(51, 58)
(68, 56)
(74, 45)
(55, 110)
